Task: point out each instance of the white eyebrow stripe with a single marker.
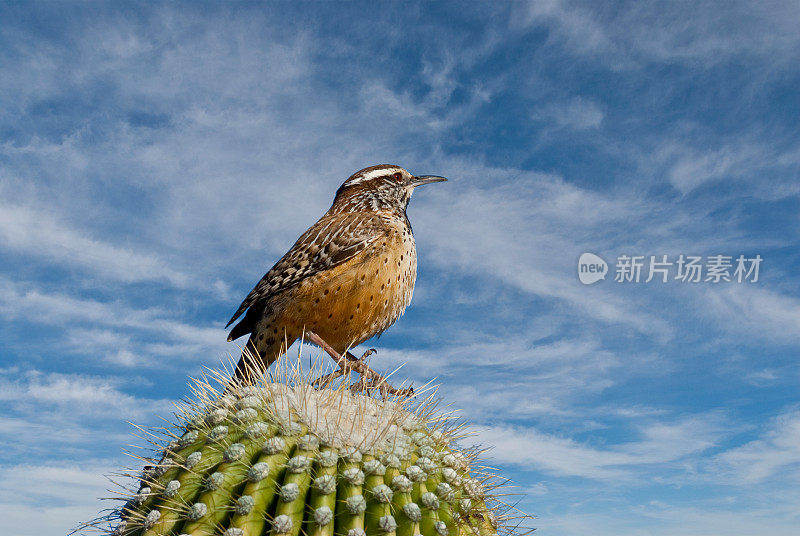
(372, 174)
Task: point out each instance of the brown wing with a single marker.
(326, 244)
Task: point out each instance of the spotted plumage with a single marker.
(347, 278)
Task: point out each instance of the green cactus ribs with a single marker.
(285, 458)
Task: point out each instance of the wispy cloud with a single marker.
(57, 495)
(737, 161)
(37, 233)
(577, 113)
(480, 230)
(630, 34)
(776, 452)
(26, 302)
(663, 443)
(755, 313)
(58, 416)
(661, 519)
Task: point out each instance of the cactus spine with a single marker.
(284, 458)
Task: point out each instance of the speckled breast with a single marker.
(365, 295)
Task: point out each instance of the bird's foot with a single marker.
(376, 382)
(369, 379)
(368, 353)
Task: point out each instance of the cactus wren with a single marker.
(347, 278)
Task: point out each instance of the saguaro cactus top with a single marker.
(284, 458)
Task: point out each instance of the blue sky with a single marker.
(155, 160)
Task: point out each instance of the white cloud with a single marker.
(80, 393)
(28, 303)
(36, 518)
(574, 24)
(38, 233)
(644, 32)
(693, 169)
(528, 233)
(72, 397)
(53, 498)
(664, 443)
(752, 312)
(513, 378)
(777, 452)
(54, 416)
(659, 519)
(62, 482)
(735, 161)
(578, 114)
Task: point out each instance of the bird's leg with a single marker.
(369, 378)
(319, 341)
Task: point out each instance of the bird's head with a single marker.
(380, 187)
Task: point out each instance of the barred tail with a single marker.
(258, 354)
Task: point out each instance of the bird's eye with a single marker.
(398, 176)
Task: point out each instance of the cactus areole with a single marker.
(285, 458)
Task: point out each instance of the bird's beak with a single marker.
(425, 179)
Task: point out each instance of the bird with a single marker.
(348, 278)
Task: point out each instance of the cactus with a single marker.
(285, 458)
